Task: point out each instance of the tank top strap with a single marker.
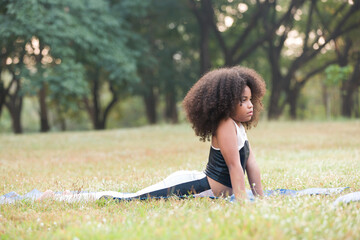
(241, 135)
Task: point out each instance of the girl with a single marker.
(220, 106)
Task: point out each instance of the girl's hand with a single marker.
(253, 172)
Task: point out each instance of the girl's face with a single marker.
(244, 110)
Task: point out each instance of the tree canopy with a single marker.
(87, 56)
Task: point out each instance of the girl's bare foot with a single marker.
(67, 192)
(46, 194)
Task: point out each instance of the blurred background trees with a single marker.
(73, 65)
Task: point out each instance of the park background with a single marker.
(82, 65)
(75, 68)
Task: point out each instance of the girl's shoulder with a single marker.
(226, 121)
(230, 125)
(229, 122)
(226, 124)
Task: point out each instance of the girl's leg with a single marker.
(179, 183)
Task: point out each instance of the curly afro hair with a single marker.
(215, 96)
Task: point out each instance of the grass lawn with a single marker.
(294, 155)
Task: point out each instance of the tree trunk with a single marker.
(357, 104)
(171, 113)
(60, 118)
(292, 99)
(14, 105)
(15, 113)
(346, 96)
(111, 104)
(3, 93)
(326, 101)
(96, 102)
(97, 116)
(62, 122)
(92, 105)
(348, 89)
(150, 102)
(44, 121)
(274, 111)
(205, 64)
(100, 125)
(204, 21)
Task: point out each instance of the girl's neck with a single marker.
(237, 123)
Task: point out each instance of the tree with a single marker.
(38, 36)
(324, 27)
(111, 55)
(248, 25)
(347, 53)
(27, 55)
(166, 67)
(236, 27)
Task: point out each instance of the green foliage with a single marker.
(152, 47)
(128, 113)
(59, 45)
(170, 55)
(336, 75)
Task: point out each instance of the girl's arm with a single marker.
(253, 172)
(227, 141)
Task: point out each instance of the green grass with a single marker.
(295, 155)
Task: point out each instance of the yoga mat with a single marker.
(35, 194)
(351, 197)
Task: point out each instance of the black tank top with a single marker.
(217, 169)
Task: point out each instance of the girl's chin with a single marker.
(243, 120)
(247, 119)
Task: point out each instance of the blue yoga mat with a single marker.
(294, 193)
(12, 197)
